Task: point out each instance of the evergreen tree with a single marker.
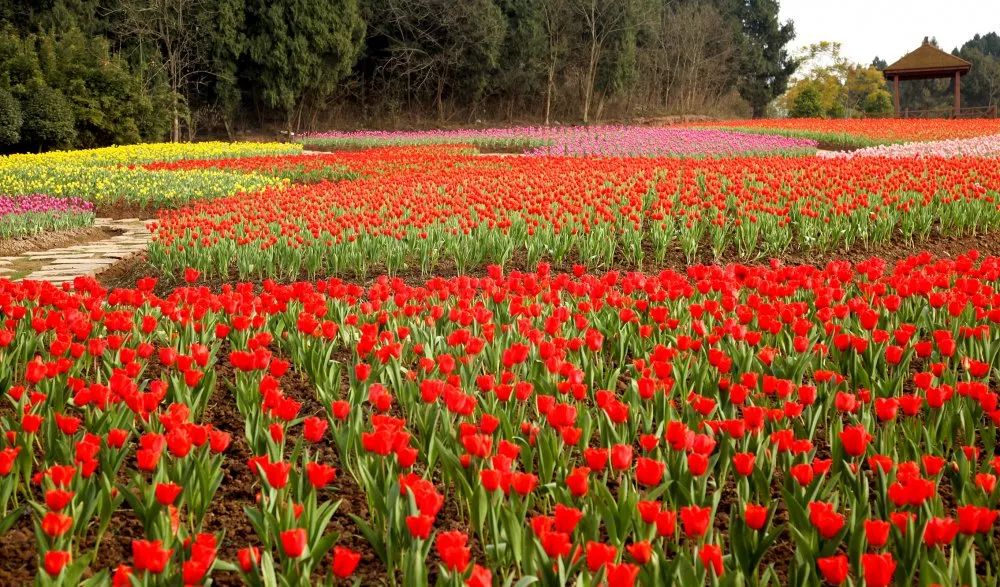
(766, 66)
(299, 50)
(10, 119)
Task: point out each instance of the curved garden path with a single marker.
(126, 238)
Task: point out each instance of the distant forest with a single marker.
(93, 72)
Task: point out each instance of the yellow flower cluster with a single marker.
(147, 153)
(109, 175)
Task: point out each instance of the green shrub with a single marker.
(878, 102)
(807, 104)
(10, 119)
(48, 118)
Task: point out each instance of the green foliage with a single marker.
(224, 41)
(766, 66)
(10, 119)
(523, 53)
(233, 63)
(48, 117)
(301, 49)
(842, 89)
(877, 103)
(981, 86)
(74, 92)
(807, 103)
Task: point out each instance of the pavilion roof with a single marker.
(927, 60)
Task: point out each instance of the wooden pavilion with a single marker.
(928, 62)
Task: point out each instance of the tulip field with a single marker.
(613, 363)
(435, 208)
(35, 213)
(580, 141)
(865, 132)
(113, 176)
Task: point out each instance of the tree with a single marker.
(48, 117)
(696, 56)
(108, 102)
(171, 26)
(981, 86)
(520, 71)
(10, 119)
(223, 44)
(807, 104)
(297, 51)
(766, 66)
(865, 91)
(841, 88)
(602, 20)
(556, 20)
(437, 46)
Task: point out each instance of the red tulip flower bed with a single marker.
(429, 210)
(731, 424)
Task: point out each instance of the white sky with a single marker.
(889, 28)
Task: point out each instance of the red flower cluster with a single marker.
(518, 424)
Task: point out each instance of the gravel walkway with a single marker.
(64, 264)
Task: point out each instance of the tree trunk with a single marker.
(588, 90)
(175, 131)
(549, 88)
(175, 127)
(439, 99)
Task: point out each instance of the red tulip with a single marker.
(598, 555)
(150, 556)
(55, 524)
(755, 515)
(877, 533)
(293, 542)
(834, 569)
(878, 569)
(621, 575)
(711, 558)
(56, 561)
(452, 550)
(166, 493)
(695, 520)
(345, 561)
(855, 440)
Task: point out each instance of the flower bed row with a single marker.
(147, 153)
(433, 208)
(33, 214)
(985, 146)
(580, 141)
(853, 133)
(109, 176)
(112, 186)
(747, 425)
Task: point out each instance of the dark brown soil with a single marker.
(118, 211)
(54, 240)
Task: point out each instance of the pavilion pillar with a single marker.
(895, 94)
(958, 93)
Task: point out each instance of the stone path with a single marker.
(90, 258)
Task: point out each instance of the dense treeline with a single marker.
(88, 72)
(980, 87)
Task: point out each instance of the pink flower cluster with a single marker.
(41, 203)
(986, 146)
(608, 141)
